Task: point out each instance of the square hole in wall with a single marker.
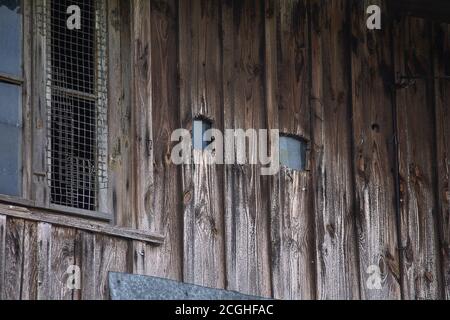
(293, 152)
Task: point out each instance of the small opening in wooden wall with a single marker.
(199, 129)
(293, 152)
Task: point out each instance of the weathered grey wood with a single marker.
(100, 255)
(85, 258)
(27, 100)
(279, 287)
(2, 254)
(228, 55)
(119, 116)
(337, 259)
(167, 260)
(200, 95)
(62, 256)
(288, 90)
(113, 256)
(441, 38)
(139, 259)
(415, 122)
(142, 114)
(39, 192)
(246, 192)
(43, 248)
(374, 154)
(29, 284)
(66, 221)
(13, 259)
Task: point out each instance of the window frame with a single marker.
(34, 180)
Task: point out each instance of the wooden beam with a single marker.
(438, 10)
(40, 215)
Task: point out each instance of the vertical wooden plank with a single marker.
(166, 260)
(288, 86)
(279, 287)
(415, 123)
(113, 256)
(442, 93)
(2, 254)
(27, 99)
(139, 253)
(40, 192)
(62, 256)
(86, 259)
(119, 115)
(337, 260)
(142, 113)
(228, 57)
(30, 267)
(100, 255)
(374, 154)
(200, 95)
(13, 259)
(44, 244)
(246, 192)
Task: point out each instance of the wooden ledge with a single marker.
(41, 215)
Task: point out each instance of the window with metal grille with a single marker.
(76, 103)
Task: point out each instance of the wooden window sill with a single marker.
(10, 208)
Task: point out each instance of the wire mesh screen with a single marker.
(76, 102)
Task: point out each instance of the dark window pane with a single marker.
(10, 139)
(11, 37)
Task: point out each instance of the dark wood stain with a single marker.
(373, 106)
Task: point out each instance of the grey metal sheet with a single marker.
(135, 287)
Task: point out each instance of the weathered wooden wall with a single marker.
(373, 106)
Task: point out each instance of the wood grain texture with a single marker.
(14, 253)
(29, 282)
(80, 224)
(442, 120)
(39, 190)
(415, 122)
(200, 95)
(27, 97)
(167, 260)
(2, 254)
(288, 109)
(337, 259)
(142, 114)
(374, 154)
(246, 192)
(139, 259)
(62, 256)
(99, 255)
(119, 116)
(44, 245)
